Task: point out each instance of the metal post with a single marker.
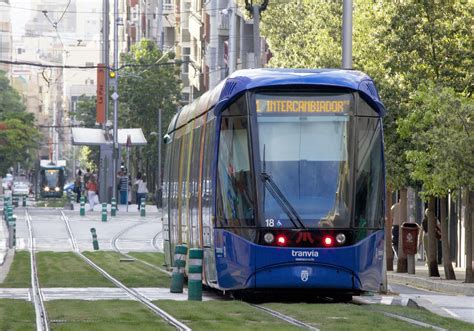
(159, 153)
(233, 39)
(256, 36)
(159, 26)
(128, 173)
(347, 35)
(115, 98)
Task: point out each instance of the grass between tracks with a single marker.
(17, 315)
(154, 258)
(131, 274)
(19, 275)
(67, 269)
(353, 317)
(114, 315)
(222, 315)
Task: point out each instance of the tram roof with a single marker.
(249, 79)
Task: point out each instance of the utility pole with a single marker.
(158, 177)
(233, 38)
(105, 154)
(255, 11)
(115, 97)
(347, 35)
(159, 26)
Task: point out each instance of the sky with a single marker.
(19, 16)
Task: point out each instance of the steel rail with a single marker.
(38, 299)
(131, 292)
(155, 238)
(285, 318)
(115, 247)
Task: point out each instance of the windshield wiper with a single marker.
(282, 200)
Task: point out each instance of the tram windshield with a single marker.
(51, 178)
(303, 145)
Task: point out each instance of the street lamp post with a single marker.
(158, 165)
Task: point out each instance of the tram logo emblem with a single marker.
(304, 275)
(304, 236)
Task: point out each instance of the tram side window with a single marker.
(238, 108)
(369, 182)
(207, 197)
(235, 197)
(166, 183)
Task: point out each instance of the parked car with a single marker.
(21, 188)
(69, 187)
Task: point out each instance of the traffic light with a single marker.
(112, 74)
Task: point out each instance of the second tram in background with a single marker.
(278, 175)
(52, 178)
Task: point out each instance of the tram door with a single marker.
(207, 202)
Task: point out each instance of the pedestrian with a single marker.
(87, 176)
(142, 189)
(92, 191)
(123, 187)
(78, 185)
(395, 210)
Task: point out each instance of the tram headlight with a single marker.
(341, 238)
(56, 189)
(46, 189)
(269, 237)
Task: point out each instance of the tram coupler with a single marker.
(195, 274)
(177, 277)
(95, 242)
(104, 212)
(142, 208)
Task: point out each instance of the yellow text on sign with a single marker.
(302, 106)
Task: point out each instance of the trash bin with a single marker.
(410, 237)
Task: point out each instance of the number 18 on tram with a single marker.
(278, 175)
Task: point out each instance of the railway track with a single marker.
(285, 318)
(42, 323)
(115, 247)
(131, 292)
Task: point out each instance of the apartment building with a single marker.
(5, 36)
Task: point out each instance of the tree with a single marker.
(150, 83)
(441, 129)
(18, 142)
(86, 113)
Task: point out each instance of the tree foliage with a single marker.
(19, 142)
(86, 113)
(151, 84)
(440, 126)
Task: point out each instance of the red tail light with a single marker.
(281, 240)
(328, 241)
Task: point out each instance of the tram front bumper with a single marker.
(306, 275)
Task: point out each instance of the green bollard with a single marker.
(142, 208)
(95, 242)
(15, 201)
(113, 210)
(104, 212)
(82, 211)
(71, 199)
(23, 203)
(177, 277)
(195, 274)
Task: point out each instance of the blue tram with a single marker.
(278, 174)
(51, 180)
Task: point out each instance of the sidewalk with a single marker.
(439, 284)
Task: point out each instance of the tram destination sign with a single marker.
(303, 104)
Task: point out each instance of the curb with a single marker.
(386, 300)
(433, 284)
